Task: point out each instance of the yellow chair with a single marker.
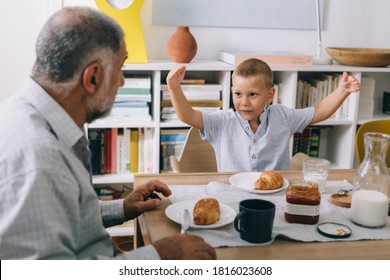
(382, 126)
(197, 155)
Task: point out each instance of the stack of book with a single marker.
(271, 58)
(312, 141)
(121, 150)
(132, 102)
(171, 141)
(202, 97)
(310, 91)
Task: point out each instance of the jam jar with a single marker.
(302, 203)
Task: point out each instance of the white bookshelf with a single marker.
(339, 140)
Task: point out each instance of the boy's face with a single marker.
(250, 96)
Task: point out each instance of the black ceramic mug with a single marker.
(255, 220)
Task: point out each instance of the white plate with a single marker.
(246, 182)
(175, 213)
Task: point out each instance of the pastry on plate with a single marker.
(206, 211)
(269, 180)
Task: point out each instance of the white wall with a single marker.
(20, 22)
(348, 23)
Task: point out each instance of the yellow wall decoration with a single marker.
(129, 19)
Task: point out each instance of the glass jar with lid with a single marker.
(303, 201)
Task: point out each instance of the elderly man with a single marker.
(48, 208)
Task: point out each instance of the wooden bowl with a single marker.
(360, 57)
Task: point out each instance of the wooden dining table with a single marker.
(154, 225)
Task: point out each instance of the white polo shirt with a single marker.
(238, 149)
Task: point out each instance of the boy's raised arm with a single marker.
(329, 105)
(183, 108)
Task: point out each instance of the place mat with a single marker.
(231, 196)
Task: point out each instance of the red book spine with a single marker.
(107, 150)
(114, 139)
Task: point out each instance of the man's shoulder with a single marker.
(26, 134)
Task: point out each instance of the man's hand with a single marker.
(184, 247)
(144, 198)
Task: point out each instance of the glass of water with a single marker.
(316, 170)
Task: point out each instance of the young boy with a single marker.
(256, 135)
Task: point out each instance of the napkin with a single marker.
(231, 196)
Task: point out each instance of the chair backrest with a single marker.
(197, 155)
(297, 160)
(382, 126)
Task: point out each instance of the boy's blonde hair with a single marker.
(255, 68)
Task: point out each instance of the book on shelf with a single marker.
(148, 150)
(108, 193)
(302, 142)
(136, 84)
(134, 150)
(105, 193)
(114, 144)
(133, 91)
(171, 110)
(310, 91)
(107, 151)
(271, 58)
(278, 97)
(94, 147)
(135, 88)
(122, 151)
(130, 104)
(196, 103)
(312, 141)
(173, 135)
(196, 87)
(141, 149)
(196, 95)
(125, 120)
(133, 97)
(138, 81)
(129, 112)
(168, 150)
(193, 81)
(386, 103)
(102, 165)
(171, 141)
(169, 113)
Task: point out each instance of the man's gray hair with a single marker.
(73, 38)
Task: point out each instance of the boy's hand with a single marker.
(350, 83)
(175, 77)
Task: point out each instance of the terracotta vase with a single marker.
(182, 45)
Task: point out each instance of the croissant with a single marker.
(269, 180)
(206, 211)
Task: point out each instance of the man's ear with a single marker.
(92, 77)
